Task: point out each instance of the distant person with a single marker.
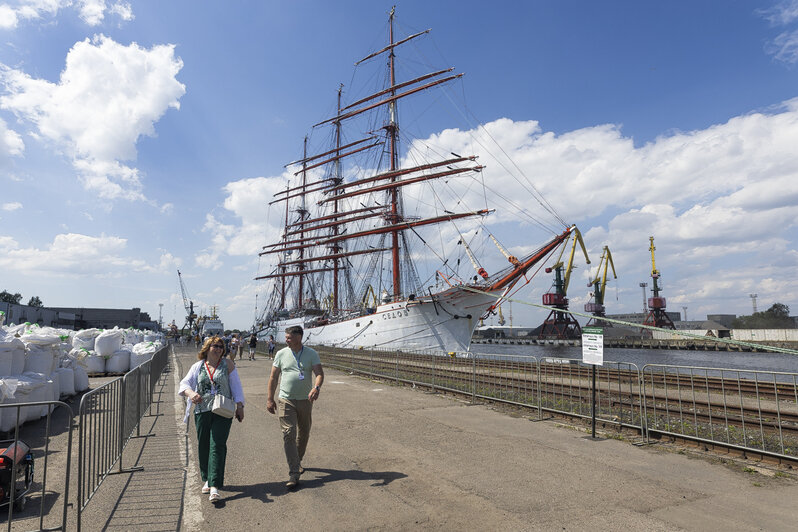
(292, 366)
(207, 377)
(271, 344)
(233, 347)
(253, 343)
(240, 353)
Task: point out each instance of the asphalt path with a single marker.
(387, 457)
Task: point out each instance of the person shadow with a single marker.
(266, 491)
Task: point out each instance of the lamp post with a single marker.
(160, 316)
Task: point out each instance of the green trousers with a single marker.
(212, 433)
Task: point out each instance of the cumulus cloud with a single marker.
(246, 203)
(107, 97)
(735, 183)
(92, 12)
(76, 255)
(11, 144)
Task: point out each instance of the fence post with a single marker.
(540, 392)
(474, 379)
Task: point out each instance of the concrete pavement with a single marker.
(383, 457)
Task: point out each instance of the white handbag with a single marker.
(223, 406)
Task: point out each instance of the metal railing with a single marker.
(107, 418)
(740, 409)
(39, 444)
(745, 410)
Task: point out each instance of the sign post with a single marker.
(593, 354)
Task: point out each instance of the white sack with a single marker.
(81, 379)
(108, 342)
(12, 356)
(94, 364)
(85, 339)
(40, 358)
(66, 382)
(119, 362)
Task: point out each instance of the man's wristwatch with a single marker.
(318, 387)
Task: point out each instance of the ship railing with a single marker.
(753, 412)
(108, 417)
(43, 474)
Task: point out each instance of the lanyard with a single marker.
(297, 358)
(212, 373)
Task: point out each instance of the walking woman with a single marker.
(212, 375)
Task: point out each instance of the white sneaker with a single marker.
(205, 488)
(214, 495)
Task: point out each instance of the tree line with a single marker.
(776, 317)
(8, 297)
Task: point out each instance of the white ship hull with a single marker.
(443, 322)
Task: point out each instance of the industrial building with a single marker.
(77, 317)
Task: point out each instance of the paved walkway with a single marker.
(383, 457)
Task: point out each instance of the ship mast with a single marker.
(302, 210)
(392, 130)
(337, 179)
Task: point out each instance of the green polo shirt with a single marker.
(291, 386)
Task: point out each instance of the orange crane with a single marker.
(599, 284)
(560, 324)
(657, 317)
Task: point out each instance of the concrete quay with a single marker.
(384, 457)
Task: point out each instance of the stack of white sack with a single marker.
(119, 361)
(133, 336)
(76, 360)
(30, 371)
(85, 339)
(12, 355)
(108, 342)
(142, 352)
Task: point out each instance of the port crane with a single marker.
(188, 305)
(560, 324)
(656, 317)
(599, 284)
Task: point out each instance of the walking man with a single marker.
(298, 389)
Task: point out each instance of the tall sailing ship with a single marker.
(360, 216)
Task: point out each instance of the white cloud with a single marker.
(247, 201)
(784, 47)
(108, 96)
(92, 12)
(13, 206)
(782, 13)
(76, 255)
(11, 144)
(734, 183)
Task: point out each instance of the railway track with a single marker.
(759, 413)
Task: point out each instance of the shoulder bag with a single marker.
(223, 406)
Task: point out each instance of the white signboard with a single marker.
(593, 346)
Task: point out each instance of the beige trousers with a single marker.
(295, 421)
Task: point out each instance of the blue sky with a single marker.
(137, 138)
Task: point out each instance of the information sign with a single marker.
(593, 346)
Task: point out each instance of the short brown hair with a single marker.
(295, 329)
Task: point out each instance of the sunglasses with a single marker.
(220, 346)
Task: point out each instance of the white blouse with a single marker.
(189, 382)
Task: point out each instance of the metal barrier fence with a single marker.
(745, 410)
(107, 418)
(23, 464)
(741, 409)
